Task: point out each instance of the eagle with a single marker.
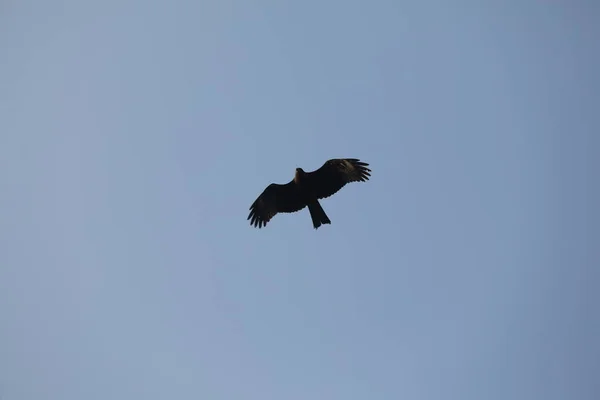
(306, 189)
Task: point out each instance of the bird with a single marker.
(306, 189)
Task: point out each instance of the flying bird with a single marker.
(306, 189)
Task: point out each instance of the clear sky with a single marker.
(134, 135)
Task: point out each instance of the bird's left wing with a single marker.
(274, 199)
(335, 174)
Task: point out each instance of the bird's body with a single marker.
(306, 189)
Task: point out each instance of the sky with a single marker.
(134, 135)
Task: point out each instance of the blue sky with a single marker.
(136, 134)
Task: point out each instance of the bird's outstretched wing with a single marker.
(335, 174)
(274, 199)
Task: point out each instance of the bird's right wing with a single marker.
(274, 199)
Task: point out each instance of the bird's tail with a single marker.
(318, 214)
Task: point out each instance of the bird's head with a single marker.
(299, 173)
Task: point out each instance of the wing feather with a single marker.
(335, 174)
(276, 198)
